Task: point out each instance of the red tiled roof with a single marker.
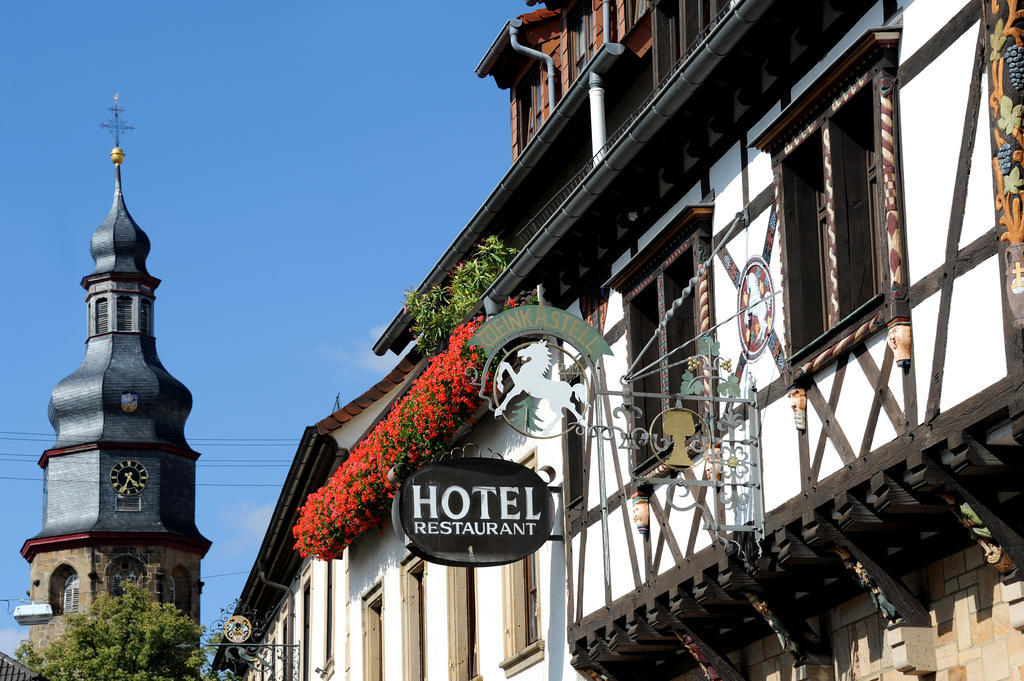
(361, 403)
(537, 16)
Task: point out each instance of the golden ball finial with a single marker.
(117, 155)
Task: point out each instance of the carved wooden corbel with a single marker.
(716, 667)
(910, 638)
(909, 610)
(999, 540)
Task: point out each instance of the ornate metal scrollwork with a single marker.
(239, 634)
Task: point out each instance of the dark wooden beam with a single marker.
(1005, 535)
(696, 645)
(818, 532)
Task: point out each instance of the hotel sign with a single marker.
(473, 512)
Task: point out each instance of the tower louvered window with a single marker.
(71, 593)
(145, 322)
(102, 316)
(124, 313)
(128, 503)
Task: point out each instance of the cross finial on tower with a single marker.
(116, 126)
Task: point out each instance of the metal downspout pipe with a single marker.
(723, 39)
(513, 35)
(605, 19)
(598, 134)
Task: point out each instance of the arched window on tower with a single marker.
(126, 569)
(180, 591)
(102, 316)
(145, 319)
(124, 313)
(64, 586)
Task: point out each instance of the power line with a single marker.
(198, 484)
(197, 437)
(220, 463)
(227, 574)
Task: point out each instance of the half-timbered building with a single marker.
(800, 224)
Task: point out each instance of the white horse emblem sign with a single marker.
(536, 384)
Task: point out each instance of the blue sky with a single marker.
(296, 170)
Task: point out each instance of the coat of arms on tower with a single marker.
(129, 402)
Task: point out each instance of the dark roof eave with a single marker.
(276, 551)
(521, 167)
(501, 43)
(618, 155)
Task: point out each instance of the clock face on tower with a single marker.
(128, 477)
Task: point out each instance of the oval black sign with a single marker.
(473, 512)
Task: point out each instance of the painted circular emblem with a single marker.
(536, 384)
(756, 307)
(129, 402)
(237, 629)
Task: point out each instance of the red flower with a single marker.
(417, 429)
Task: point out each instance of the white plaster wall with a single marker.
(727, 187)
(931, 113)
(975, 350)
(921, 19)
(979, 207)
(780, 455)
(884, 431)
(854, 401)
(759, 170)
(924, 319)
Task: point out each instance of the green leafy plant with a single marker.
(122, 638)
(439, 310)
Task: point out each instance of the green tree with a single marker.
(122, 638)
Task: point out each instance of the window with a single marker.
(181, 589)
(414, 620)
(817, 301)
(288, 656)
(463, 646)
(678, 24)
(126, 570)
(523, 647)
(581, 36)
(827, 154)
(635, 10)
(124, 313)
(64, 589)
(307, 605)
(71, 593)
(329, 615)
(145, 318)
(373, 635)
(530, 108)
(649, 284)
(102, 316)
(128, 503)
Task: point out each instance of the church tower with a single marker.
(120, 480)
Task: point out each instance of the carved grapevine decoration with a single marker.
(1006, 103)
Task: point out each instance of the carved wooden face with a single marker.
(641, 513)
(900, 341)
(798, 400)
